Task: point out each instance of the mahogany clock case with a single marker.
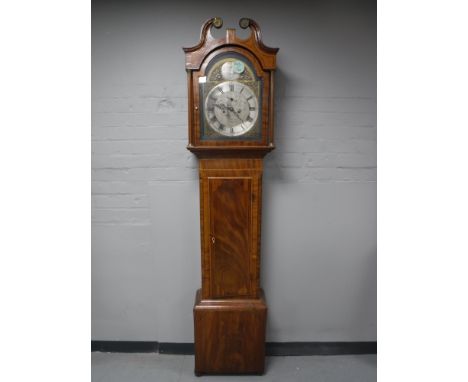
(230, 309)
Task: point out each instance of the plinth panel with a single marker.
(230, 335)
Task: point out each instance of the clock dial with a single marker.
(231, 108)
(230, 100)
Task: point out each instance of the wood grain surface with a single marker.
(229, 335)
(230, 309)
(230, 200)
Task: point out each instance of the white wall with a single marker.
(319, 217)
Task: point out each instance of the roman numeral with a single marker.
(249, 119)
(231, 87)
(251, 108)
(249, 98)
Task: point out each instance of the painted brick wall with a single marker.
(318, 234)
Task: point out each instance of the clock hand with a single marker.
(227, 109)
(221, 106)
(230, 108)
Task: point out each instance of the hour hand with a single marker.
(220, 106)
(230, 108)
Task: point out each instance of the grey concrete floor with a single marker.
(120, 367)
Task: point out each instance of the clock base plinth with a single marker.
(230, 335)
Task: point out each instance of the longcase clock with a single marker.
(230, 113)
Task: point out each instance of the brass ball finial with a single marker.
(217, 22)
(244, 22)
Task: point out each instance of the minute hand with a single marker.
(230, 108)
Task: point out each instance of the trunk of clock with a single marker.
(230, 310)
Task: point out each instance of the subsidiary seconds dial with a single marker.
(231, 108)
